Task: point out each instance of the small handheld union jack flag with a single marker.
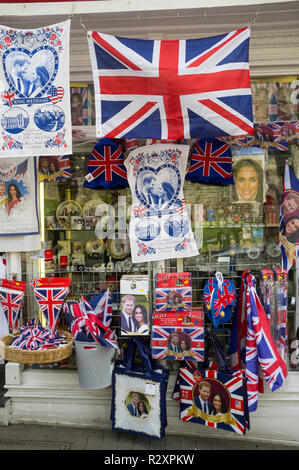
(50, 294)
(11, 298)
(106, 166)
(211, 162)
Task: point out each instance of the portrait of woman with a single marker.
(218, 405)
(53, 168)
(291, 229)
(249, 181)
(142, 410)
(140, 319)
(14, 196)
(184, 346)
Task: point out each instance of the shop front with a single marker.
(85, 229)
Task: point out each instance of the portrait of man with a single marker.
(20, 67)
(148, 185)
(248, 175)
(133, 406)
(3, 198)
(173, 344)
(128, 324)
(202, 400)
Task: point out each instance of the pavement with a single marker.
(40, 437)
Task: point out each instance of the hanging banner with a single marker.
(18, 197)
(160, 227)
(152, 89)
(34, 91)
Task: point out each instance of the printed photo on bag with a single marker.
(137, 405)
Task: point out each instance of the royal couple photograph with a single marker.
(137, 407)
(27, 78)
(210, 403)
(133, 317)
(155, 193)
(10, 198)
(179, 344)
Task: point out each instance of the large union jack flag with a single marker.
(11, 298)
(211, 162)
(172, 89)
(106, 166)
(160, 342)
(233, 416)
(50, 294)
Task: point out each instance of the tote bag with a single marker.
(215, 398)
(139, 394)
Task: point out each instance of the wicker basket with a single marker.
(35, 357)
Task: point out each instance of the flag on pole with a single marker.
(180, 89)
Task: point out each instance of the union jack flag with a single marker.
(233, 415)
(211, 162)
(261, 352)
(172, 89)
(106, 166)
(50, 294)
(102, 306)
(11, 298)
(165, 299)
(160, 341)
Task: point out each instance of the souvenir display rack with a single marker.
(231, 238)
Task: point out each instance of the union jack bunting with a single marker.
(106, 166)
(11, 298)
(232, 416)
(50, 294)
(34, 337)
(193, 335)
(178, 89)
(288, 220)
(211, 162)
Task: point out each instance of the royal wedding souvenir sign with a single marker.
(18, 197)
(159, 226)
(134, 305)
(34, 91)
(178, 335)
(173, 292)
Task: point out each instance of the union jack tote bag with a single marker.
(215, 396)
(139, 394)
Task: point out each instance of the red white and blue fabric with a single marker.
(219, 299)
(11, 298)
(179, 89)
(281, 292)
(234, 385)
(162, 297)
(261, 354)
(106, 166)
(34, 337)
(50, 294)
(102, 307)
(86, 324)
(211, 162)
(160, 337)
(289, 250)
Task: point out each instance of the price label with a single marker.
(150, 389)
